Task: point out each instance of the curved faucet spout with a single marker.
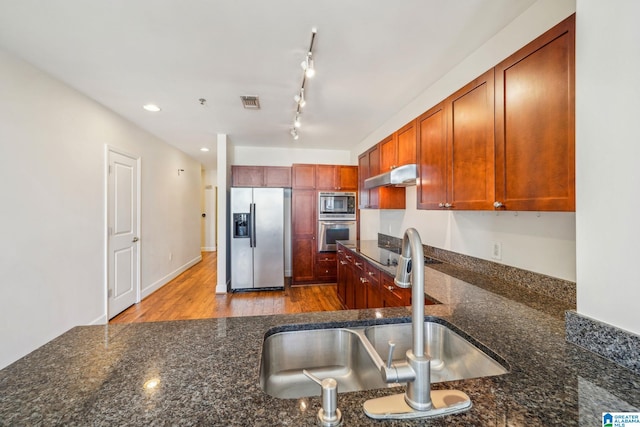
(410, 272)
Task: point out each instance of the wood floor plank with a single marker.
(192, 295)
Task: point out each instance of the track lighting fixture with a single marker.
(308, 72)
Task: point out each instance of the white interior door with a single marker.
(123, 271)
(210, 221)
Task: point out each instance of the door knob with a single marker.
(135, 239)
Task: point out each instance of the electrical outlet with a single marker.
(170, 256)
(496, 252)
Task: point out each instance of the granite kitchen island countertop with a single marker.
(207, 371)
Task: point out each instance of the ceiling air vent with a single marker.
(250, 102)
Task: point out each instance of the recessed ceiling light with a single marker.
(152, 107)
(205, 149)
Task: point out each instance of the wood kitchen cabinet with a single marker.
(362, 284)
(432, 158)
(456, 149)
(326, 266)
(398, 149)
(392, 295)
(303, 235)
(309, 265)
(535, 124)
(353, 286)
(365, 170)
(381, 197)
(303, 176)
(507, 139)
(336, 177)
(342, 267)
(372, 282)
(388, 153)
(260, 176)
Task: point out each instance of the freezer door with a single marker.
(241, 251)
(268, 253)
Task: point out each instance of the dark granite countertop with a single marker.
(208, 370)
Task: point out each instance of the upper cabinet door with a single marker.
(347, 177)
(470, 152)
(406, 144)
(247, 176)
(535, 124)
(277, 176)
(363, 173)
(432, 158)
(326, 177)
(303, 176)
(388, 154)
(398, 149)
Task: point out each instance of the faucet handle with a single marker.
(392, 346)
(329, 415)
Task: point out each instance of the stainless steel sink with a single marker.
(335, 353)
(354, 355)
(452, 357)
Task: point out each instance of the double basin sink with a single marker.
(353, 357)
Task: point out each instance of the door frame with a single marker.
(107, 150)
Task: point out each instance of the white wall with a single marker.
(607, 153)
(259, 156)
(52, 207)
(544, 243)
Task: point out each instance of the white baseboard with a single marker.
(166, 279)
(102, 320)
(208, 249)
(222, 289)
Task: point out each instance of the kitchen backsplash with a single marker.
(550, 286)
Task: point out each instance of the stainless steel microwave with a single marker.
(336, 205)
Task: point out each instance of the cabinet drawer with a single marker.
(326, 266)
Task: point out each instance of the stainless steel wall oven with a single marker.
(330, 231)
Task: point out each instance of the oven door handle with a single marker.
(337, 222)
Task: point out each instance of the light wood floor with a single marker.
(192, 296)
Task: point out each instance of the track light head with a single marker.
(308, 67)
(302, 101)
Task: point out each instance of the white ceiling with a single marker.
(372, 58)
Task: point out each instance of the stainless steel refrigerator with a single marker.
(257, 238)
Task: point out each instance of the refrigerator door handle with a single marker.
(252, 225)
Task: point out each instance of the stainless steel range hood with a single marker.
(402, 176)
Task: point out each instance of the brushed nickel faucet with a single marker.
(418, 401)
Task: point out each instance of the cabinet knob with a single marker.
(391, 288)
(343, 263)
(371, 273)
(498, 205)
(441, 205)
(448, 205)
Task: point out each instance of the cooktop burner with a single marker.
(386, 255)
